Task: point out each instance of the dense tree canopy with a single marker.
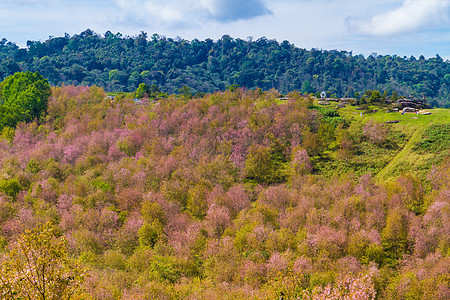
(121, 63)
(23, 97)
(229, 196)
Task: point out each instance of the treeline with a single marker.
(195, 198)
(121, 63)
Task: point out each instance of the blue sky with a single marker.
(402, 27)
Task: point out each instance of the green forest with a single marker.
(120, 63)
(235, 194)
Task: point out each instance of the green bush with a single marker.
(10, 187)
(165, 268)
(150, 233)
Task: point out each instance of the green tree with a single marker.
(258, 165)
(186, 92)
(394, 237)
(142, 90)
(156, 92)
(312, 143)
(307, 87)
(151, 92)
(375, 96)
(150, 234)
(326, 133)
(8, 134)
(37, 267)
(10, 187)
(23, 97)
(264, 165)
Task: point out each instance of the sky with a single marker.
(392, 27)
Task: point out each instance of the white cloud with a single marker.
(193, 12)
(412, 16)
(233, 10)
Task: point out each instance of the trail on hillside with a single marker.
(401, 155)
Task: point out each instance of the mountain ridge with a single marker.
(119, 63)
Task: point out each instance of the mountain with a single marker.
(121, 63)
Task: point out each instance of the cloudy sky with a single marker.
(402, 27)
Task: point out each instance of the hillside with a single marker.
(421, 140)
(121, 63)
(234, 195)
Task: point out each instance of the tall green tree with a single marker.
(23, 97)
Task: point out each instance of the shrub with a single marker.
(10, 187)
(376, 133)
(150, 233)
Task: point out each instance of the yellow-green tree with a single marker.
(37, 267)
(394, 237)
(265, 164)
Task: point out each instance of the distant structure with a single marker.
(409, 109)
(411, 102)
(323, 94)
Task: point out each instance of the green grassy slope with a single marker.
(405, 155)
(388, 162)
(414, 126)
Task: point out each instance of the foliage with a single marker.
(8, 133)
(395, 235)
(10, 187)
(23, 97)
(150, 92)
(263, 166)
(237, 194)
(121, 63)
(37, 267)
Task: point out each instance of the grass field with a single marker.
(405, 156)
(385, 164)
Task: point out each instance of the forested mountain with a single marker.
(121, 63)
